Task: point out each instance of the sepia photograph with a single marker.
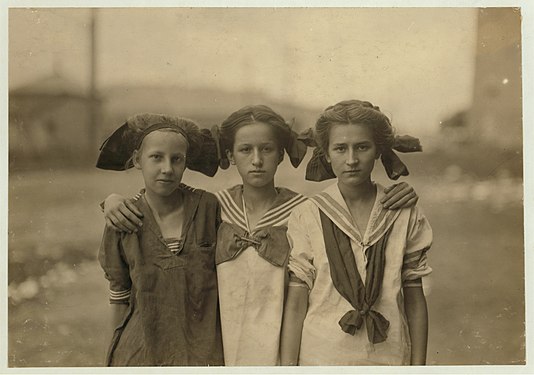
(265, 186)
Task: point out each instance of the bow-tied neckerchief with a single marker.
(263, 241)
(270, 243)
(348, 282)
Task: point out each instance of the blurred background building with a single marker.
(50, 123)
(495, 116)
(450, 76)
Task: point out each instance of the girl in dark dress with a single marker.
(163, 284)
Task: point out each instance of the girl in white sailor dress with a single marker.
(355, 294)
(252, 247)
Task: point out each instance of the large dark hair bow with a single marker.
(295, 146)
(319, 169)
(117, 149)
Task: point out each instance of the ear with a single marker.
(327, 157)
(230, 156)
(135, 158)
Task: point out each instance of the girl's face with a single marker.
(256, 154)
(352, 153)
(161, 159)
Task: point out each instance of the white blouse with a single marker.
(323, 342)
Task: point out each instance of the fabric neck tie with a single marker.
(270, 243)
(348, 282)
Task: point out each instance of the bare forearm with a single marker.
(417, 315)
(294, 314)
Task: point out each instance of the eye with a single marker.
(363, 147)
(268, 148)
(244, 149)
(155, 156)
(177, 159)
(339, 148)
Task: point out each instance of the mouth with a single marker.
(352, 171)
(257, 172)
(165, 181)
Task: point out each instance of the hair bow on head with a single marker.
(117, 149)
(319, 169)
(206, 160)
(224, 163)
(295, 147)
(297, 144)
(392, 163)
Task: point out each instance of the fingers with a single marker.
(395, 189)
(131, 213)
(406, 201)
(399, 196)
(389, 188)
(122, 222)
(110, 224)
(395, 192)
(132, 207)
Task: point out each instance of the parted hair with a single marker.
(249, 115)
(352, 112)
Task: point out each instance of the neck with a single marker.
(259, 196)
(362, 192)
(164, 205)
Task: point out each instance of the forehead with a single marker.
(350, 133)
(165, 141)
(257, 132)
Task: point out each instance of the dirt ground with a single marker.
(58, 311)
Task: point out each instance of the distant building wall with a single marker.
(496, 114)
(47, 129)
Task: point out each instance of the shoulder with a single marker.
(287, 192)
(232, 192)
(416, 213)
(205, 197)
(286, 195)
(114, 239)
(304, 209)
(415, 220)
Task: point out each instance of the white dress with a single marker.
(323, 342)
(252, 278)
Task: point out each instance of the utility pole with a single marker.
(93, 95)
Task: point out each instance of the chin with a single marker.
(353, 182)
(165, 193)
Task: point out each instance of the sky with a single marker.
(417, 64)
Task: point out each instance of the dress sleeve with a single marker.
(418, 242)
(111, 258)
(300, 266)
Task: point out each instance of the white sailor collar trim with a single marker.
(330, 201)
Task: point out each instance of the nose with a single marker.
(257, 160)
(166, 166)
(352, 157)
